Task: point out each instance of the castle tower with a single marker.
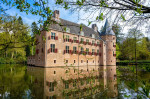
(109, 38)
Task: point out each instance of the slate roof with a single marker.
(107, 30)
(74, 28)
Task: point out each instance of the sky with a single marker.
(76, 17)
(64, 14)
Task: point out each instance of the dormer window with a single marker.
(93, 35)
(82, 33)
(67, 30)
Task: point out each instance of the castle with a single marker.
(67, 43)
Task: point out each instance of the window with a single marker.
(53, 35)
(93, 42)
(67, 29)
(54, 72)
(67, 49)
(54, 61)
(93, 50)
(42, 50)
(87, 61)
(67, 38)
(82, 33)
(51, 88)
(74, 39)
(87, 40)
(81, 40)
(74, 61)
(97, 52)
(98, 43)
(93, 36)
(52, 47)
(66, 85)
(93, 61)
(66, 61)
(87, 51)
(81, 61)
(74, 49)
(82, 50)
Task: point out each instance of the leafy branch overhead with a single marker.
(139, 8)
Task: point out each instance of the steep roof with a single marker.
(74, 28)
(107, 30)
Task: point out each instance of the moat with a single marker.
(86, 82)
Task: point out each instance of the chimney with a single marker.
(56, 14)
(94, 27)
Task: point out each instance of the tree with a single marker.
(20, 20)
(35, 30)
(137, 9)
(27, 49)
(117, 30)
(14, 38)
(131, 46)
(144, 52)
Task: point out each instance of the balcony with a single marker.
(114, 54)
(89, 53)
(68, 51)
(95, 44)
(82, 52)
(74, 52)
(81, 42)
(53, 37)
(89, 43)
(84, 42)
(114, 45)
(50, 50)
(95, 53)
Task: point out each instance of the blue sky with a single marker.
(64, 14)
(28, 19)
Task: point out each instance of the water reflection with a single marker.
(73, 82)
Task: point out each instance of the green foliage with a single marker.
(13, 43)
(134, 46)
(81, 27)
(100, 17)
(27, 49)
(122, 16)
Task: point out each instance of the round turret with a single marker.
(109, 38)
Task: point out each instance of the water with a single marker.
(86, 82)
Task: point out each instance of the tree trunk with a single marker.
(12, 55)
(32, 50)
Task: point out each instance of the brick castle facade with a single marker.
(67, 43)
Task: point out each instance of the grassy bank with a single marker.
(11, 61)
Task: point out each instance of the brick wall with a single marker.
(44, 57)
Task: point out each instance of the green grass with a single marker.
(134, 61)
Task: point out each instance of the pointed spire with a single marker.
(107, 30)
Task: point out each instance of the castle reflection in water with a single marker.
(74, 82)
